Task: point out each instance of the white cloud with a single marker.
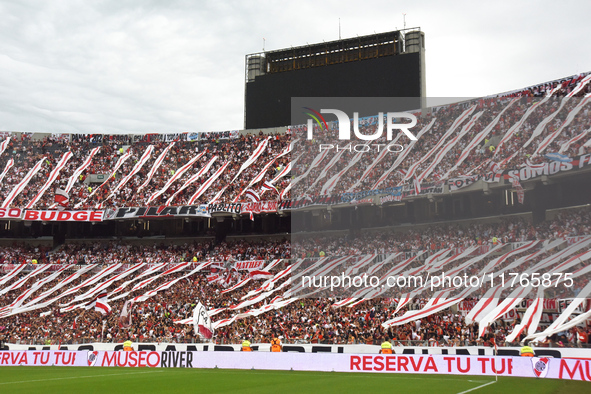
(179, 66)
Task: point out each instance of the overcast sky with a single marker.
(157, 66)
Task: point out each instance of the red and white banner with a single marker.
(519, 189)
(12, 274)
(326, 168)
(437, 148)
(530, 319)
(478, 139)
(397, 162)
(317, 160)
(334, 180)
(212, 278)
(34, 303)
(61, 198)
(37, 285)
(269, 284)
(451, 144)
(4, 144)
(151, 279)
(63, 216)
(569, 118)
(81, 169)
(8, 166)
(255, 155)
(192, 179)
(283, 194)
(263, 171)
(136, 168)
(515, 128)
(104, 285)
(22, 184)
(582, 83)
(119, 163)
(257, 274)
(236, 286)
(363, 261)
(100, 305)
(19, 283)
(156, 165)
(168, 284)
(576, 138)
(272, 264)
(207, 184)
(151, 269)
(178, 173)
(52, 177)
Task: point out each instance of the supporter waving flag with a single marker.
(202, 322)
(268, 186)
(252, 195)
(520, 191)
(417, 186)
(260, 274)
(61, 198)
(100, 304)
(125, 316)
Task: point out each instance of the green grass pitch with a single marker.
(146, 380)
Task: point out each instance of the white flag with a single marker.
(125, 316)
(202, 322)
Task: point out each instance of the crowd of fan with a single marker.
(313, 320)
(110, 252)
(303, 321)
(229, 187)
(568, 223)
(26, 151)
(486, 155)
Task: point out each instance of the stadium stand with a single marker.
(50, 290)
